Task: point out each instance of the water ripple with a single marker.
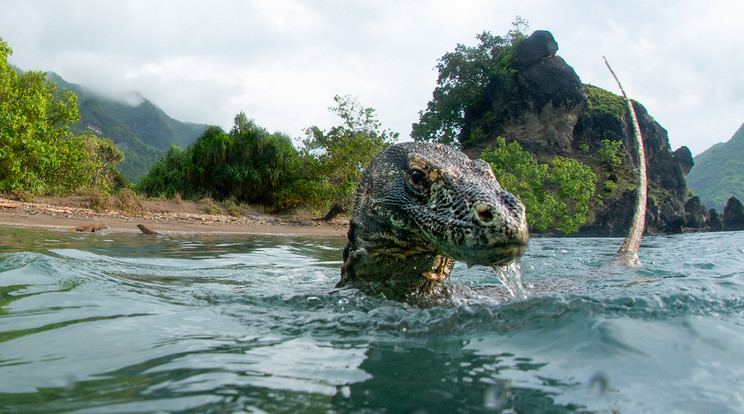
(121, 323)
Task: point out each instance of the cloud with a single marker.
(283, 61)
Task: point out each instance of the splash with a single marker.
(511, 277)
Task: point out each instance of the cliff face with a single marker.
(542, 104)
(546, 108)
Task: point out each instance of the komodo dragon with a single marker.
(418, 208)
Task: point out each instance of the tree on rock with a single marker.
(454, 113)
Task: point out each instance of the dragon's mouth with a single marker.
(507, 254)
(496, 255)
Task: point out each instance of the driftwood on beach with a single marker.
(70, 213)
(146, 230)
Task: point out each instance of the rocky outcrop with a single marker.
(545, 107)
(733, 215)
(697, 215)
(683, 156)
(671, 219)
(663, 169)
(715, 223)
(540, 105)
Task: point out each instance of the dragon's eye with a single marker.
(417, 179)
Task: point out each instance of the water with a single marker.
(511, 277)
(94, 323)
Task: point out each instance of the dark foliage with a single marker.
(249, 164)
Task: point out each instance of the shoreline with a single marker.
(162, 216)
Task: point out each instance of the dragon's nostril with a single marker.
(484, 214)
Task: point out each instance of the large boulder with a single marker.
(538, 106)
(715, 222)
(683, 156)
(540, 45)
(697, 214)
(733, 215)
(672, 219)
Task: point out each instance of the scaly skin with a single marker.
(418, 208)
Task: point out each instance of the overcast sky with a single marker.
(282, 61)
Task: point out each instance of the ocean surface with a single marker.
(128, 323)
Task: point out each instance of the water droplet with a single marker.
(345, 392)
(599, 383)
(496, 396)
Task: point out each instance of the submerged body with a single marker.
(418, 208)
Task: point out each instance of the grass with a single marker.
(209, 207)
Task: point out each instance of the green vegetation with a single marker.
(603, 103)
(609, 187)
(557, 194)
(39, 154)
(210, 207)
(611, 152)
(718, 173)
(140, 129)
(248, 164)
(457, 107)
(251, 165)
(337, 157)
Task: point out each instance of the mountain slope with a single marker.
(718, 173)
(139, 128)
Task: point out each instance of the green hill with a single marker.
(139, 128)
(718, 173)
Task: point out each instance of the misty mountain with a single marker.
(138, 127)
(718, 173)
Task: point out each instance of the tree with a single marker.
(458, 107)
(248, 164)
(556, 195)
(341, 153)
(38, 153)
(167, 177)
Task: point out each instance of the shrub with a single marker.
(610, 186)
(99, 202)
(232, 208)
(556, 195)
(210, 207)
(127, 201)
(611, 152)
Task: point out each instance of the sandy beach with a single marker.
(72, 213)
